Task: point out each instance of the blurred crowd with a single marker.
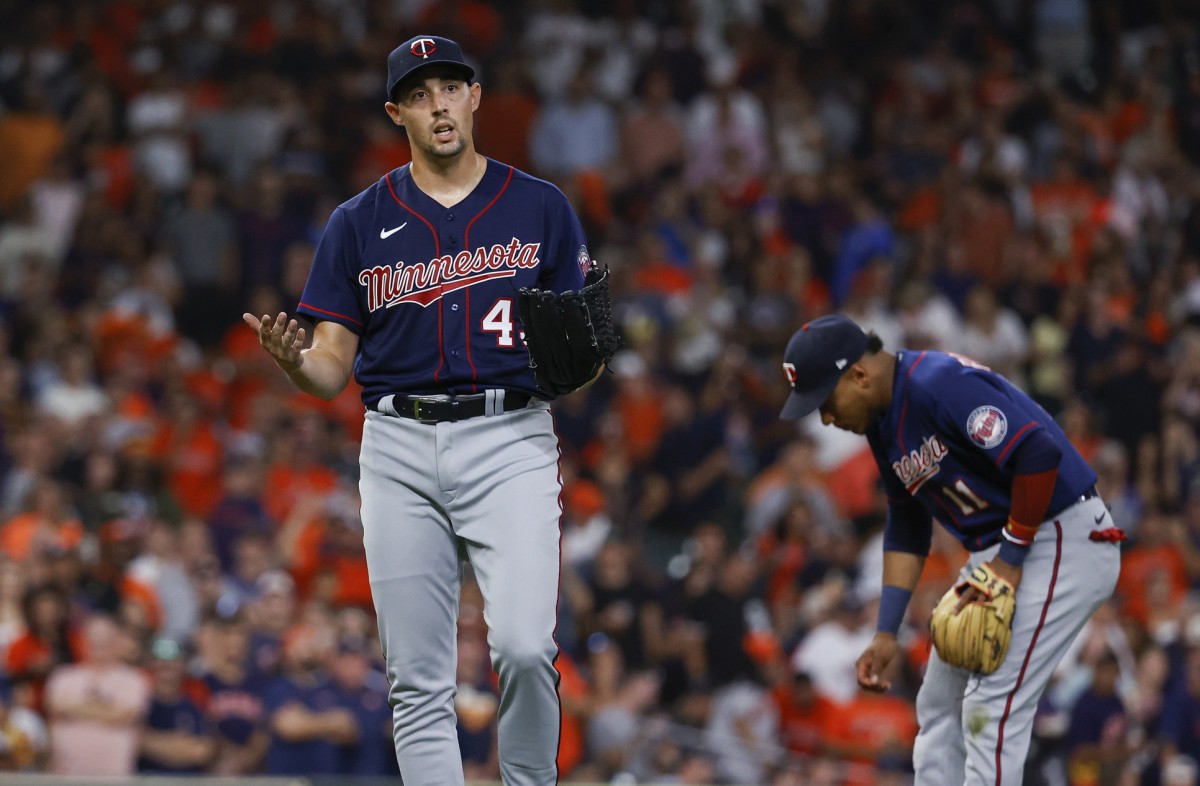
(182, 586)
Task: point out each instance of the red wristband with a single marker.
(1019, 533)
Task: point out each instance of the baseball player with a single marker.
(957, 442)
(414, 289)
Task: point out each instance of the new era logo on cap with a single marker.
(815, 359)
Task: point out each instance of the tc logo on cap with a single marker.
(423, 47)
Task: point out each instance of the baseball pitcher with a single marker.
(426, 287)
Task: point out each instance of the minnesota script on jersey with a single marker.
(394, 264)
(948, 437)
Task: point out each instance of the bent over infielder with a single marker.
(957, 442)
(415, 288)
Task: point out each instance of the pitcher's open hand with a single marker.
(283, 339)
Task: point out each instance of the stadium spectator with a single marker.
(308, 721)
(233, 695)
(805, 717)
(49, 640)
(96, 707)
(1096, 737)
(818, 653)
(24, 742)
(575, 135)
(1179, 731)
(176, 737)
(363, 689)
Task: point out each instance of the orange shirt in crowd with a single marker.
(853, 486)
(941, 569)
(379, 155)
(641, 423)
(922, 210)
(28, 145)
(805, 730)
(572, 687)
(983, 236)
(349, 571)
(286, 483)
(782, 561)
(26, 533)
(1139, 567)
(28, 656)
(345, 409)
(1066, 211)
(503, 124)
(193, 457)
(870, 725)
(661, 277)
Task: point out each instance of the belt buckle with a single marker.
(417, 401)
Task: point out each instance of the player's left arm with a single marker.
(567, 319)
(572, 260)
(985, 416)
(566, 259)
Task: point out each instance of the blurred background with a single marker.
(182, 588)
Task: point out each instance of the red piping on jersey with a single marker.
(331, 313)
(467, 247)
(437, 252)
(1013, 441)
(467, 338)
(437, 245)
(557, 593)
(1032, 644)
(437, 372)
(904, 406)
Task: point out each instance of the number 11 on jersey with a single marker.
(966, 499)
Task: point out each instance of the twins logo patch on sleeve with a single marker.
(584, 260)
(987, 426)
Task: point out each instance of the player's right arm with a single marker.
(906, 541)
(322, 370)
(901, 571)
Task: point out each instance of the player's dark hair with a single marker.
(874, 343)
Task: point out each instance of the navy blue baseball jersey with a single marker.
(310, 757)
(948, 438)
(178, 716)
(235, 709)
(435, 288)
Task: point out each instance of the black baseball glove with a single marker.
(570, 336)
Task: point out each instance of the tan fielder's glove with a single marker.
(977, 637)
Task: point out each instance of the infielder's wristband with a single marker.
(1013, 554)
(892, 605)
(1019, 534)
(1017, 540)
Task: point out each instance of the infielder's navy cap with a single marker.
(815, 359)
(420, 52)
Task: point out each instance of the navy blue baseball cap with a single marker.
(815, 359)
(421, 52)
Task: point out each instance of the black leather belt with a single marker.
(428, 409)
